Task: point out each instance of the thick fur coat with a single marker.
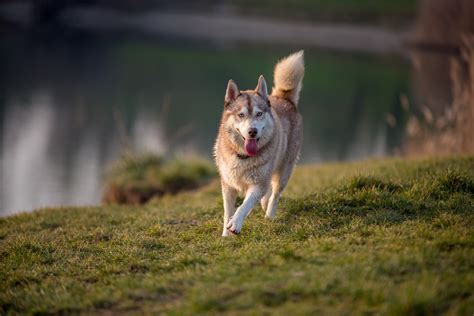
(259, 141)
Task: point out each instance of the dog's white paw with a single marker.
(234, 225)
(269, 216)
(225, 232)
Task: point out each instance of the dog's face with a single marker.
(248, 119)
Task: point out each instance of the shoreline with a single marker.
(226, 28)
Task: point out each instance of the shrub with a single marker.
(135, 179)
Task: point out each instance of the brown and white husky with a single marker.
(259, 141)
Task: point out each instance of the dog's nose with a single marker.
(253, 132)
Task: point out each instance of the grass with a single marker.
(137, 178)
(382, 236)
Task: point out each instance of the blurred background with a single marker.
(83, 81)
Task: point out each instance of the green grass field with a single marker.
(383, 236)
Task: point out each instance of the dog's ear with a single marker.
(231, 93)
(262, 87)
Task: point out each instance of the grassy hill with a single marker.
(388, 236)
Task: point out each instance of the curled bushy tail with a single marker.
(288, 77)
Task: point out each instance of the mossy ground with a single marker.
(137, 178)
(389, 236)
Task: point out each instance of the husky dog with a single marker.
(259, 141)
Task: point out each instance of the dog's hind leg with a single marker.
(265, 199)
(229, 195)
(279, 183)
(274, 198)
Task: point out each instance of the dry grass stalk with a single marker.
(453, 131)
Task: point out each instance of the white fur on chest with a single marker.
(242, 173)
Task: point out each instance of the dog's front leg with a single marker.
(253, 195)
(229, 195)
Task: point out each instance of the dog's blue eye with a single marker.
(259, 113)
(241, 115)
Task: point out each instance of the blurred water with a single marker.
(71, 103)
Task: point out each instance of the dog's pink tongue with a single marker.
(251, 147)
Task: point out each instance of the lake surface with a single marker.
(71, 103)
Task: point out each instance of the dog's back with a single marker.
(288, 77)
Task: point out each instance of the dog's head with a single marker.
(247, 119)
